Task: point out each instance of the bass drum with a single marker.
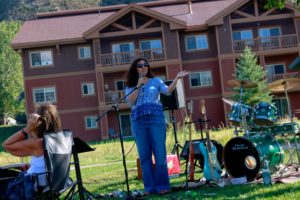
(243, 157)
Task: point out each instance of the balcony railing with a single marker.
(275, 77)
(113, 96)
(266, 43)
(122, 58)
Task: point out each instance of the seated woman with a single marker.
(29, 142)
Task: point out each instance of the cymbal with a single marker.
(241, 83)
(288, 84)
(229, 101)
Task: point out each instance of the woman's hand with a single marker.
(32, 123)
(182, 74)
(141, 81)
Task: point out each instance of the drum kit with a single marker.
(244, 156)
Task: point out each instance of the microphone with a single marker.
(141, 75)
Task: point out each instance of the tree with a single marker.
(280, 3)
(248, 70)
(11, 78)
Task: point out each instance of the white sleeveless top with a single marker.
(37, 165)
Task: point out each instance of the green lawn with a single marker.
(102, 172)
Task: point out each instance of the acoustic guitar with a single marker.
(212, 169)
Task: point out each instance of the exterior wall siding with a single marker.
(170, 42)
(68, 91)
(66, 61)
(211, 52)
(224, 35)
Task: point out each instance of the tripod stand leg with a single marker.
(176, 145)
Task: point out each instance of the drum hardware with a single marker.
(288, 85)
(229, 101)
(243, 110)
(292, 152)
(285, 85)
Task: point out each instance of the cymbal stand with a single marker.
(243, 114)
(293, 150)
(288, 101)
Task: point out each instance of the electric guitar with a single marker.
(212, 169)
(191, 164)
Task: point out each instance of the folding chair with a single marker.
(58, 151)
(57, 154)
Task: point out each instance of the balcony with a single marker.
(113, 96)
(275, 77)
(266, 43)
(122, 58)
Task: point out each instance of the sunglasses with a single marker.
(140, 65)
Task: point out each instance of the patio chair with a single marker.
(112, 134)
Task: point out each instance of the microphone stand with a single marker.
(115, 107)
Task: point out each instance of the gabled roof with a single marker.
(175, 23)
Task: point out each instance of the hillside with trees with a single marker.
(27, 9)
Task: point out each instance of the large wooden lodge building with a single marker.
(77, 59)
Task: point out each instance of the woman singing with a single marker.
(148, 123)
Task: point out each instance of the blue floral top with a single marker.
(148, 101)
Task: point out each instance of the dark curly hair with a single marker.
(133, 76)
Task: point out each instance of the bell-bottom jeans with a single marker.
(150, 136)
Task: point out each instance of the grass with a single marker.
(102, 172)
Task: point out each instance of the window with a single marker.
(195, 42)
(88, 89)
(266, 33)
(123, 53)
(243, 35)
(151, 49)
(41, 58)
(281, 105)
(275, 69)
(43, 95)
(121, 85)
(90, 122)
(85, 52)
(200, 79)
(123, 47)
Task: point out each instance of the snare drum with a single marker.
(264, 114)
(236, 110)
(285, 128)
(244, 156)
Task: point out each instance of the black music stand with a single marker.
(80, 146)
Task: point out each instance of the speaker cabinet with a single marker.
(176, 99)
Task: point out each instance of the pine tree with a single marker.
(248, 70)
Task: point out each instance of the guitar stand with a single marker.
(209, 184)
